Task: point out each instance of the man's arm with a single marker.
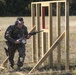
(26, 32)
(8, 33)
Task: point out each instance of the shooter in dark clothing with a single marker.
(12, 34)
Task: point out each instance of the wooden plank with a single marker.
(44, 4)
(43, 17)
(39, 73)
(33, 14)
(67, 34)
(44, 46)
(48, 2)
(33, 44)
(38, 28)
(4, 62)
(58, 30)
(49, 51)
(2, 68)
(20, 73)
(45, 30)
(50, 35)
(32, 29)
(33, 23)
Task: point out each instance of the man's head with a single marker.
(19, 19)
(19, 22)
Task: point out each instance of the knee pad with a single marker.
(21, 59)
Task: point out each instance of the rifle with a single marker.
(33, 33)
(23, 40)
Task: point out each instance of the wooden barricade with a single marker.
(38, 19)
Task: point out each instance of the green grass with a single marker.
(6, 21)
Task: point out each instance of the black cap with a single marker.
(19, 19)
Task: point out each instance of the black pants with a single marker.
(21, 49)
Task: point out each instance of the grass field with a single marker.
(6, 21)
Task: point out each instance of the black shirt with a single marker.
(13, 33)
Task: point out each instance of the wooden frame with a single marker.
(49, 31)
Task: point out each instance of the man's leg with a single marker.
(21, 50)
(12, 50)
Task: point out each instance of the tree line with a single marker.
(23, 7)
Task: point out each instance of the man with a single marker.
(12, 35)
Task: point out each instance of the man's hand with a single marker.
(17, 42)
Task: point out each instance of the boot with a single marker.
(18, 68)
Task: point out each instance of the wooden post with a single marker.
(44, 33)
(67, 34)
(43, 17)
(50, 35)
(58, 30)
(4, 63)
(33, 23)
(38, 28)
